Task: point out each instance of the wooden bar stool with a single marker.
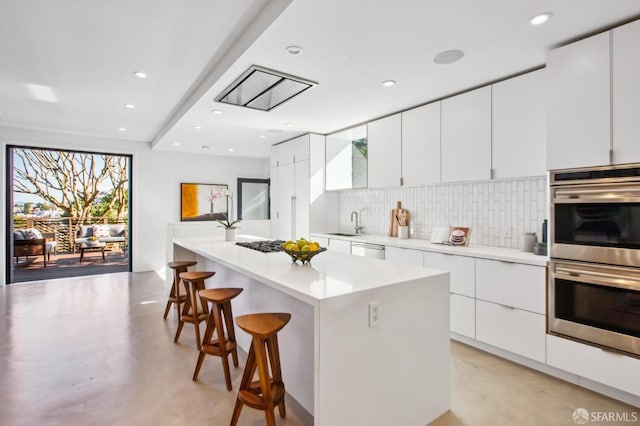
(222, 346)
(267, 392)
(191, 312)
(175, 296)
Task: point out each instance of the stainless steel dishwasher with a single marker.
(374, 251)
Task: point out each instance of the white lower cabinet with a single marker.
(341, 246)
(512, 284)
(461, 268)
(403, 256)
(609, 368)
(462, 315)
(514, 330)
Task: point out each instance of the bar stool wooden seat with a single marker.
(175, 296)
(267, 392)
(193, 312)
(220, 315)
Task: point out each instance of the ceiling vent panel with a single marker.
(263, 89)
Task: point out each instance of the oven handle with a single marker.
(613, 279)
(623, 193)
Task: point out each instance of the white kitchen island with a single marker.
(336, 364)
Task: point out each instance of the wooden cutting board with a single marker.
(398, 214)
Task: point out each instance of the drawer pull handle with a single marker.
(511, 308)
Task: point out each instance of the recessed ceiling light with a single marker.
(197, 127)
(176, 144)
(540, 18)
(205, 147)
(262, 136)
(294, 50)
(217, 111)
(230, 149)
(140, 74)
(448, 56)
(130, 106)
(122, 129)
(275, 131)
(388, 83)
(288, 124)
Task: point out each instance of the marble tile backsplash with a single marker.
(498, 211)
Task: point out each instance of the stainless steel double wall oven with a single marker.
(594, 280)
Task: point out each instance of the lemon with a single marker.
(314, 246)
(286, 243)
(306, 247)
(292, 247)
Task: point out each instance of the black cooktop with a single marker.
(263, 246)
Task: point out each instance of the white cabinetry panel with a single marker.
(515, 330)
(462, 315)
(403, 256)
(466, 136)
(384, 150)
(461, 268)
(285, 201)
(511, 284)
(342, 246)
(301, 202)
(421, 145)
(518, 127)
(593, 363)
(579, 104)
(626, 93)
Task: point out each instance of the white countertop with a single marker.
(329, 275)
(484, 252)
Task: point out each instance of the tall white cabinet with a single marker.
(384, 148)
(421, 145)
(466, 136)
(290, 188)
(626, 94)
(518, 126)
(578, 104)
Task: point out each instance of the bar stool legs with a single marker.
(268, 392)
(219, 317)
(191, 312)
(175, 296)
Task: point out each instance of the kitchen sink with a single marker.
(345, 234)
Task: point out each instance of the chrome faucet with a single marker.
(358, 227)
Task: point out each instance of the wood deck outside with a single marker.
(68, 265)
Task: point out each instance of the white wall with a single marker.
(156, 177)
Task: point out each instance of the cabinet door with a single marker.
(512, 284)
(462, 315)
(578, 101)
(301, 202)
(518, 127)
(626, 94)
(384, 152)
(341, 246)
(403, 256)
(286, 192)
(421, 145)
(466, 136)
(282, 153)
(301, 148)
(514, 330)
(612, 369)
(462, 271)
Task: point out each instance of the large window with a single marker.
(68, 213)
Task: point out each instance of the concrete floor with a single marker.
(96, 351)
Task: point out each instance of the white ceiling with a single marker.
(86, 52)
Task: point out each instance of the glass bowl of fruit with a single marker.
(302, 250)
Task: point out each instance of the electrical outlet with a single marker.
(374, 314)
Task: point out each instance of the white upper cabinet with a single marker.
(519, 132)
(290, 151)
(384, 152)
(421, 145)
(578, 104)
(466, 136)
(626, 94)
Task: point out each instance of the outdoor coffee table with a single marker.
(91, 247)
